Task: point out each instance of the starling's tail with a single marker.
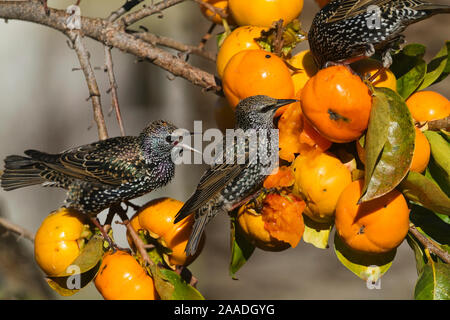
(20, 172)
(196, 234)
(432, 9)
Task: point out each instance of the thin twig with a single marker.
(140, 245)
(113, 88)
(94, 93)
(129, 4)
(428, 244)
(113, 35)
(206, 37)
(22, 232)
(213, 9)
(173, 44)
(134, 17)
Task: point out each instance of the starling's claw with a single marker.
(105, 235)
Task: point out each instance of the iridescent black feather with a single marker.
(100, 174)
(346, 30)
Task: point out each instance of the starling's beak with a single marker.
(283, 102)
(185, 146)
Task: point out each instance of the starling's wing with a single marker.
(213, 181)
(113, 161)
(351, 8)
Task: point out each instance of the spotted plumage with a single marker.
(228, 183)
(100, 174)
(347, 30)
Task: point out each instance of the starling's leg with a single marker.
(132, 205)
(105, 235)
(376, 74)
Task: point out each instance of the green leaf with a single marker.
(175, 288)
(425, 192)
(446, 70)
(435, 173)
(430, 225)
(435, 68)
(169, 284)
(366, 266)
(440, 152)
(241, 249)
(418, 252)
(389, 144)
(316, 233)
(81, 271)
(433, 282)
(409, 69)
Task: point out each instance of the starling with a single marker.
(348, 30)
(225, 185)
(99, 175)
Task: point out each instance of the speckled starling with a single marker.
(348, 30)
(224, 185)
(99, 175)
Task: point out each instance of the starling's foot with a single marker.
(344, 64)
(376, 74)
(132, 205)
(105, 235)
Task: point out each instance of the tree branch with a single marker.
(148, 11)
(428, 244)
(113, 88)
(173, 44)
(114, 35)
(16, 229)
(94, 93)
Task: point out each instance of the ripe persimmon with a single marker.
(428, 106)
(385, 78)
(256, 72)
(422, 150)
(59, 240)
(319, 180)
(337, 103)
(121, 277)
(375, 226)
(264, 12)
(304, 62)
(242, 38)
(157, 218)
(278, 226)
(297, 136)
(215, 17)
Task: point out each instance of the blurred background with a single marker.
(43, 106)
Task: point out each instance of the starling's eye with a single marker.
(169, 139)
(267, 108)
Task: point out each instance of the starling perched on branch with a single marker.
(228, 184)
(348, 30)
(100, 174)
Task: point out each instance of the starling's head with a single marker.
(158, 140)
(256, 112)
